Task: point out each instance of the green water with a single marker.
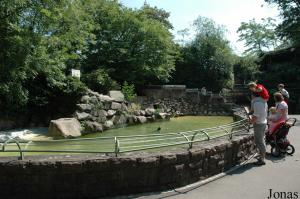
(105, 141)
(175, 125)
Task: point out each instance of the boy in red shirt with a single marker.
(260, 89)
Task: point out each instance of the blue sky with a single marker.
(227, 12)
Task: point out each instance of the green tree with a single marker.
(207, 60)
(40, 41)
(130, 47)
(246, 69)
(258, 37)
(290, 25)
(156, 14)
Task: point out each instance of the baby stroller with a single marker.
(278, 139)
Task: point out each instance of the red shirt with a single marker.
(263, 93)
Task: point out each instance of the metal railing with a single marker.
(123, 144)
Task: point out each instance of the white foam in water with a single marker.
(20, 134)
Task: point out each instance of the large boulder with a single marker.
(65, 127)
(117, 96)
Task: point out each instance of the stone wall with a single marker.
(182, 101)
(99, 176)
(98, 112)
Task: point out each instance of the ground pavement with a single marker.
(250, 181)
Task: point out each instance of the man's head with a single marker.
(252, 86)
(280, 86)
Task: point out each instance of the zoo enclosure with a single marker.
(123, 144)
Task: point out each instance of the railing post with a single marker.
(117, 146)
(18, 145)
(224, 129)
(192, 141)
(208, 138)
(189, 142)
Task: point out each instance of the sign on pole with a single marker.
(75, 73)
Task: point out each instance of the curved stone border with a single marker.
(98, 176)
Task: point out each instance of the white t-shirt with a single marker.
(260, 110)
(283, 106)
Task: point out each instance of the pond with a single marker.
(159, 132)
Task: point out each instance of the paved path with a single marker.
(251, 182)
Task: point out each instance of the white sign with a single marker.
(75, 73)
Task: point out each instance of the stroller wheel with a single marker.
(275, 151)
(290, 149)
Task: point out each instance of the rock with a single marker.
(108, 124)
(91, 127)
(101, 119)
(98, 112)
(65, 127)
(105, 98)
(119, 119)
(149, 111)
(151, 118)
(84, 107)
(85, 99)
(131, 119)
(92, 93)
(143, 113)
(141, 119)
(117, 96)
(116, 106)
(111, 113)
(137, 112)
(124, 107)
(106, 105)
(94, 100)
(83, 116)
(161, 115)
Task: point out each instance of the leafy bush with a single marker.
(133, 107)
(100, 81)
(129, 91)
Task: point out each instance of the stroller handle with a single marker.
(293, 120)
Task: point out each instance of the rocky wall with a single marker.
(97, 112)
(101, 176)
(190, 104)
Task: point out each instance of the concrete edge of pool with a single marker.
(94, 176)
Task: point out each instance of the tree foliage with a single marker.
(130, 46)
(41, 40)
(258, 37)
(246, 69)
(290, 13)
(208, 59)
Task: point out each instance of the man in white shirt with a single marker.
(259, 121)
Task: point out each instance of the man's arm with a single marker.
(253, 119)
(257, 107)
